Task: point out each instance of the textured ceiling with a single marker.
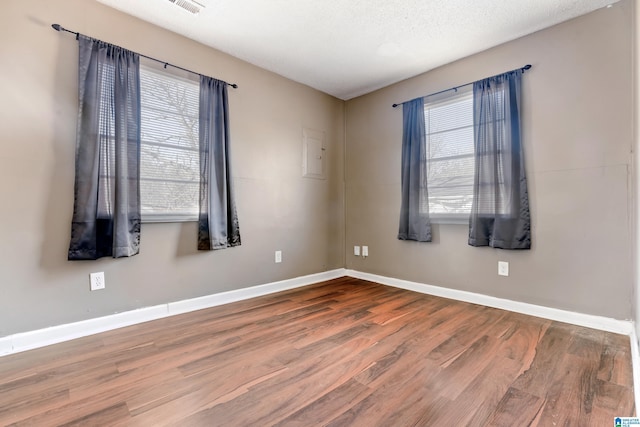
(347, 48)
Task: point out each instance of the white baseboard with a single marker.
(635, 361)
(590, 321)
(55, 334)
(5, 345)
(69, 331)
(252, 292)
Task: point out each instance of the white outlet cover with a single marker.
(278, 257)
(365, 251)
(356, 250)
(503, 268)
(97, 281)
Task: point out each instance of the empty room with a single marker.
(307, 213)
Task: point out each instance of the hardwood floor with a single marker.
(340, 353)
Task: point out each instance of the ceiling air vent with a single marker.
(190, 6)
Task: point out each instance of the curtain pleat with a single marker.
(500, 215)
(414, 208)
(106, 214)
(218, 225)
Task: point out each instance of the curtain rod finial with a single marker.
(526, 67)
(395, 105)
(56, 27)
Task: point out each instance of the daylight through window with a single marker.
(169, 158)
(450, 156)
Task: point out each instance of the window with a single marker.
(169, 151)
(450, 156)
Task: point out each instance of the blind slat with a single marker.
(450, 161)
(169, 159)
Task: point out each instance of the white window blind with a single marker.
(169, 157)
(450, 156)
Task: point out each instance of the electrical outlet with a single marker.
(365, 251)
(97, 281)
(356, 250)
(503, 268)
(278, 257)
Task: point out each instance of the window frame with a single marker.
(460, 95)
(167, 216)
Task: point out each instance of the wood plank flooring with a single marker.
(340, 353)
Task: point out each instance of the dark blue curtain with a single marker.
(500, 215)
(414, 208)
(106, 213)
(218, 226)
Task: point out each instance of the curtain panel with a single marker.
(218, 226)
(414, 208)
(106, 213)
(500, 215)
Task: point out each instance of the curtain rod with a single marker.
(525, 68)
(58, 27)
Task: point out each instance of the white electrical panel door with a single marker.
(313, 154)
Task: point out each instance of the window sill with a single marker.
(154, 219)
(461, 220)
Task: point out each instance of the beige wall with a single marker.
(578, 130)
(636, 167)
(578, 134)
(278, 209)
